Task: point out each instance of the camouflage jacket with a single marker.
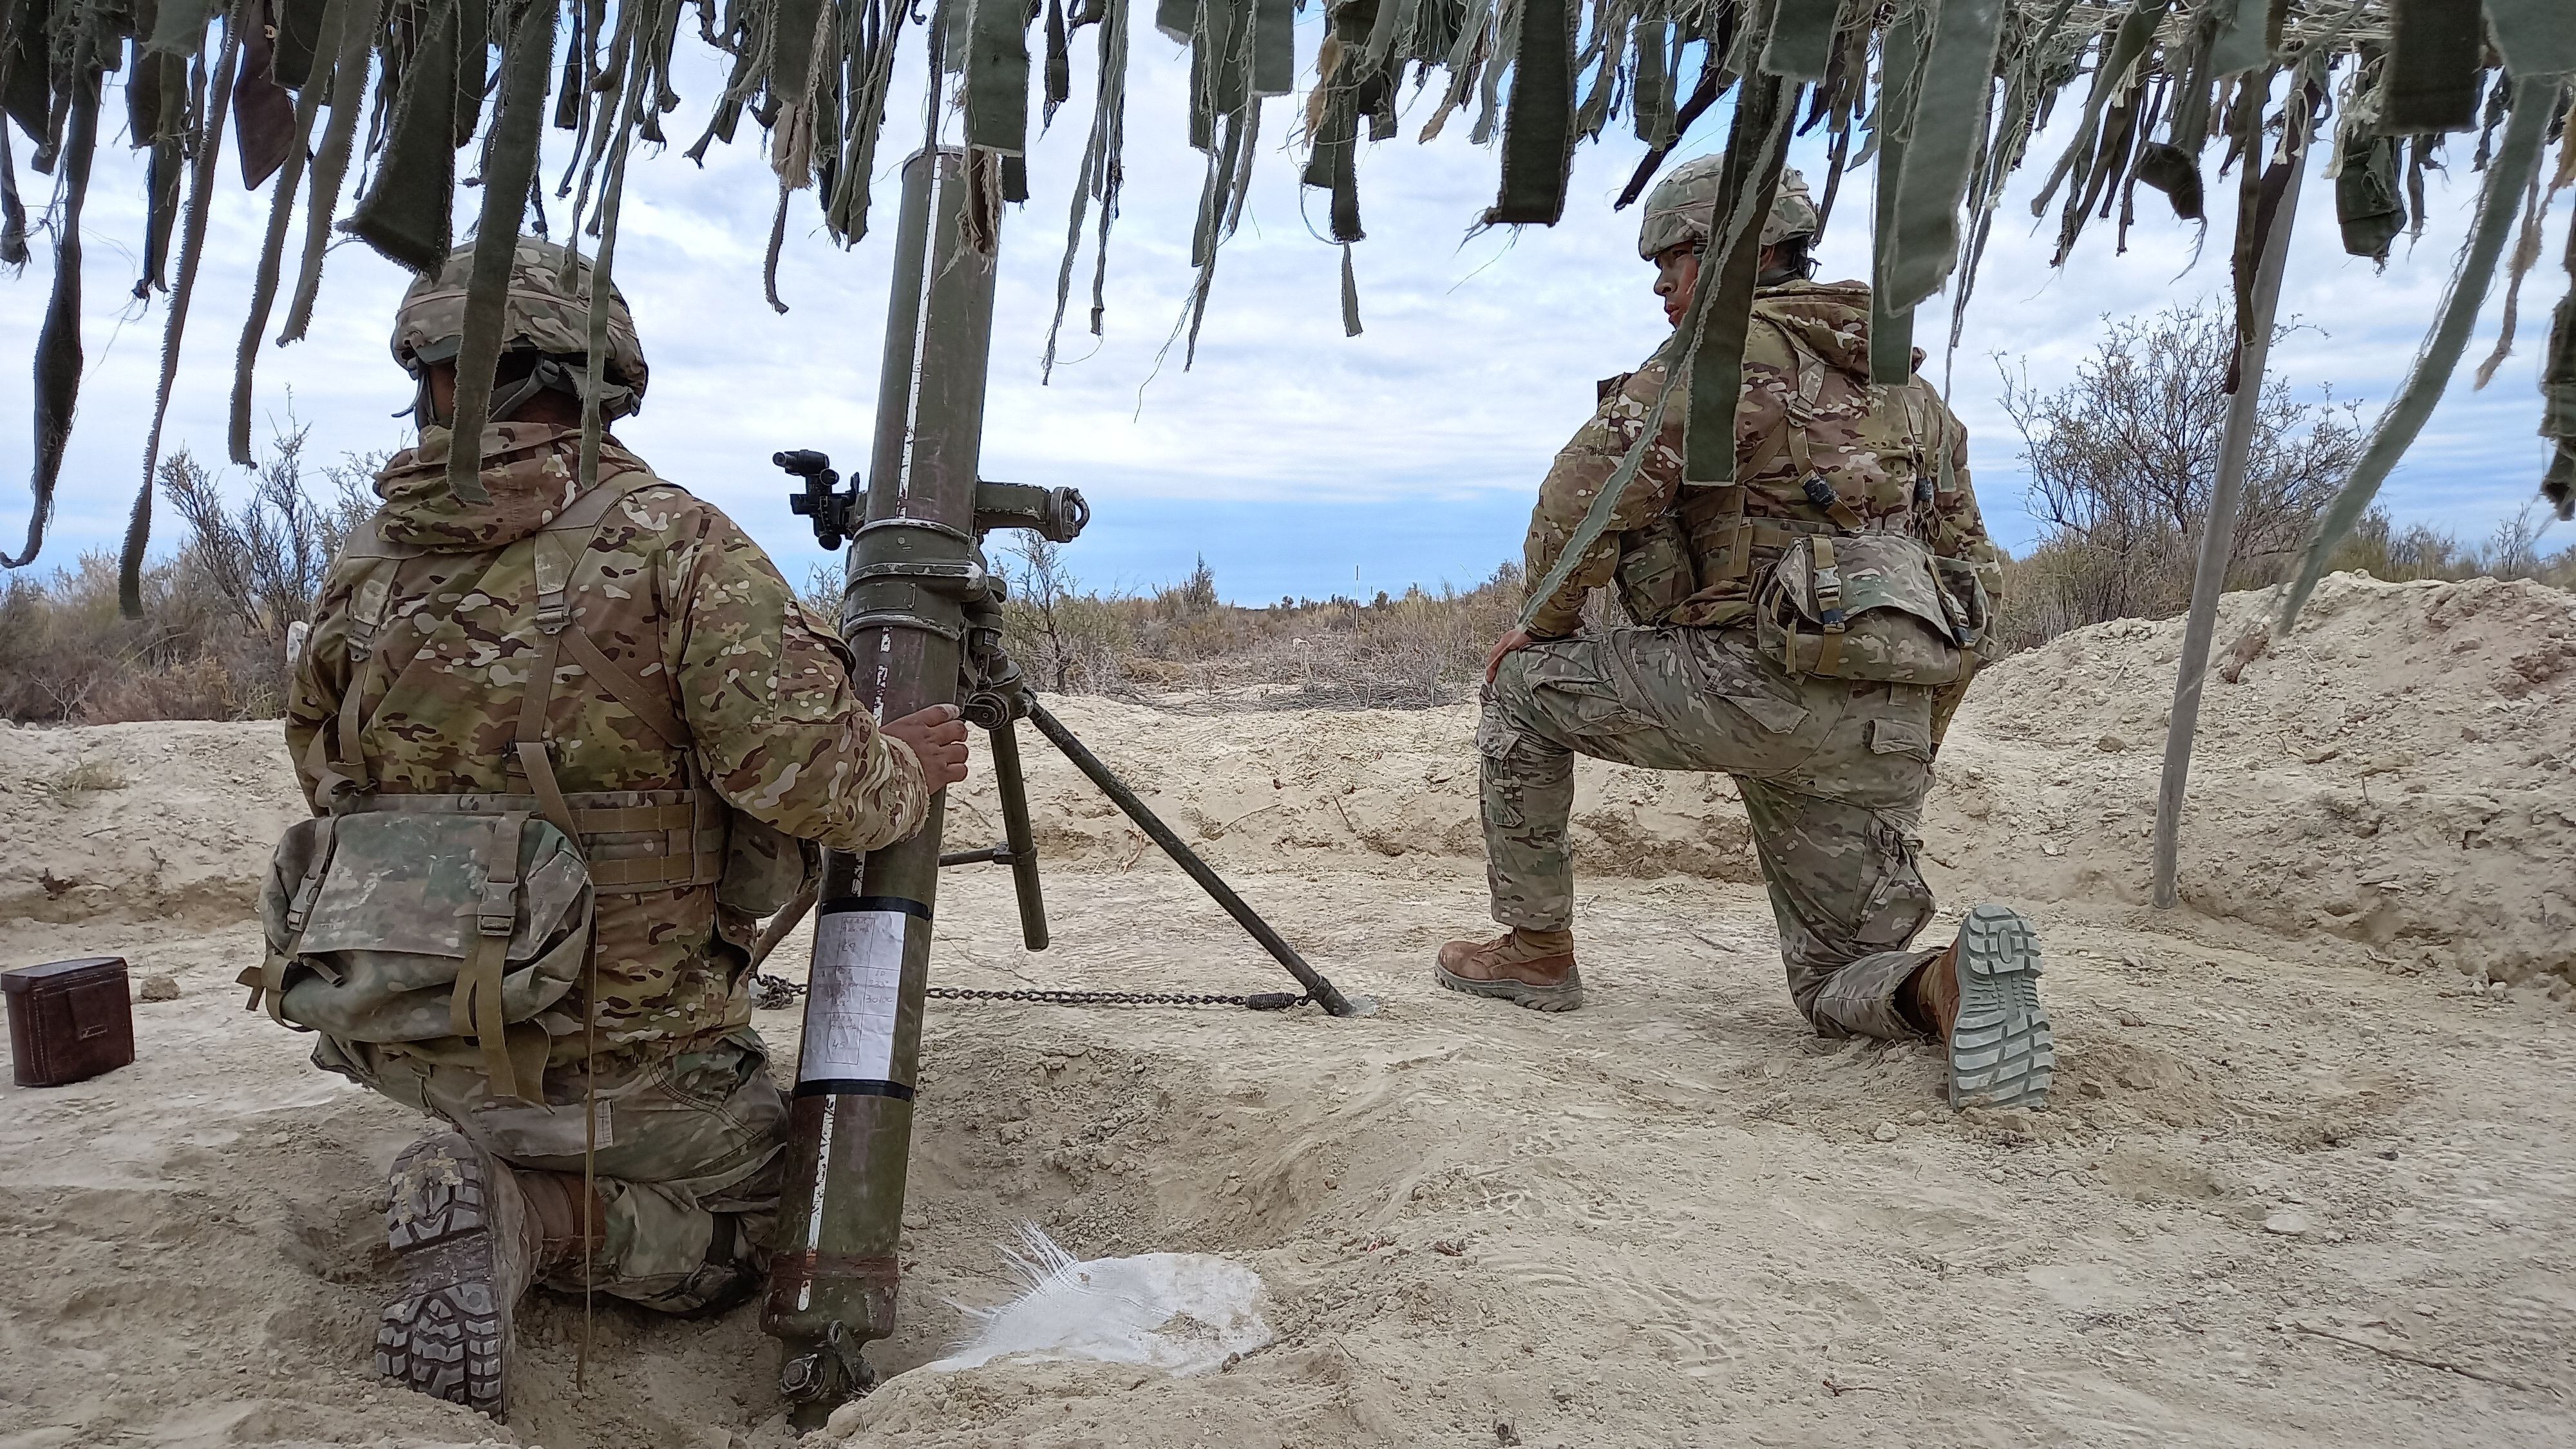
(681, 599)
(1870, 443)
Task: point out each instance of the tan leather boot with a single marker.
(1527, 968)
(469, 1236)
(1980, 996)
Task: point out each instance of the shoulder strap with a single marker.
(560, 548)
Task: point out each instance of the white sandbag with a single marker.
(1182, 1313)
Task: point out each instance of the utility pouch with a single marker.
(765, 867)
(1866, 606)
(1963, 596)
(415, 925)
(1655, 573)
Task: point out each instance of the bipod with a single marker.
(993, 697)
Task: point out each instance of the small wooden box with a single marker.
(68, 1020)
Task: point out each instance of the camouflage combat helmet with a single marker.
(1677, 210)
(542, 314)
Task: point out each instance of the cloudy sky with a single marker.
(1295, 460)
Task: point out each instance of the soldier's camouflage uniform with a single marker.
(1832, 771)
(690, 1124)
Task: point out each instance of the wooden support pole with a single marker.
(2218, 537)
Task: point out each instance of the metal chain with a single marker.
(771, 993)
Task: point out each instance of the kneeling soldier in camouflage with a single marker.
(564, 746)
(1808, 629)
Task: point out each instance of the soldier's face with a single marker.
(1676, 276)
(442, 393)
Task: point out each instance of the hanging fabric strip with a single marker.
(1891, 327)
(510, 166)
(637, 75)
(13, 212)
(1274, 47)
(58, 343)
(1801, 44)
(606, 102)
(1538, 135)
(1713, 81)
(2433, 66)
(281, 210)
(997, 78)
(2119, 58)
(1350, 296)
(408, 213)
(2526, 255)
(331, 162)
(300, 40)
(2558, 395)
(2517, 160)
(2243, 38)
(263, 114)
(1097, 180)
(1949, 119)
(1651, 106)
(202, 184)
(2538, 37)
(1755, 155)
(472, 74)
(1059, 65)
(179, 27)
(865, 127)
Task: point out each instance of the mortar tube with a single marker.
(834, 1274)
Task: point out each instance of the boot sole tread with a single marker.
(447, 1334)
(2002, 1050)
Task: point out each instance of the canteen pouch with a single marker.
(410, 926)
(1863, 606)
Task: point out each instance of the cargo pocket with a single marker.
(1899, 904)
(1900, 737)
(1572, 693)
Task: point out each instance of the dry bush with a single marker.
(212, 640)
(1414, 650)
(2122, 460)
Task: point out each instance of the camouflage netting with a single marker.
(369, 104)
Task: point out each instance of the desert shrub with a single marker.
(2122, 459)
(211, 643)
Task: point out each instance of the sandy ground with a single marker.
(2306, 1179)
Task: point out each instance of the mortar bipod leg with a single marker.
(1016, 834)
(1324, 992)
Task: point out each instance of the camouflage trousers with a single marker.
(689, 1160)
(1832, 772)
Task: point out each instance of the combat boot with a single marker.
(469, 1236)
(1527, 968)
(1980, 996)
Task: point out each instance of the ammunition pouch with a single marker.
(1864, 606)
(412, 925)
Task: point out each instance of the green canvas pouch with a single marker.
(1866, 606)
(415, 925)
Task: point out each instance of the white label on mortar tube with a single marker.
(853, 994)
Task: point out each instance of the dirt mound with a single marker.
(141, 821)
(2395, 775)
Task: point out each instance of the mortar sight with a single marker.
(820, 501)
